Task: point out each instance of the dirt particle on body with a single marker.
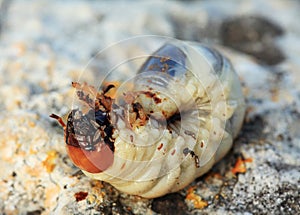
(80, 196)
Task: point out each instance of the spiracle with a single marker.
(156, 132)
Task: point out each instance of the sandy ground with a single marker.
(45, 45)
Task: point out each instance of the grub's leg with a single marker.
(86, 93)
(59, 119)
(141, 112)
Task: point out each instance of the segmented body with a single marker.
(180, 118)
(204, 96)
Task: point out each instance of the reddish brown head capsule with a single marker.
(88, 136)
(88, 151)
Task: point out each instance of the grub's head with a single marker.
(89, 135)
(88, 139)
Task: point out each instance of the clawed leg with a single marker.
(86, 93)
(59, 119)
(101, 100)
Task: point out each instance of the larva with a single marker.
(177, 119)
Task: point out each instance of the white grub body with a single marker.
(164, 155)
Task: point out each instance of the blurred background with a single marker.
(46, 44)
